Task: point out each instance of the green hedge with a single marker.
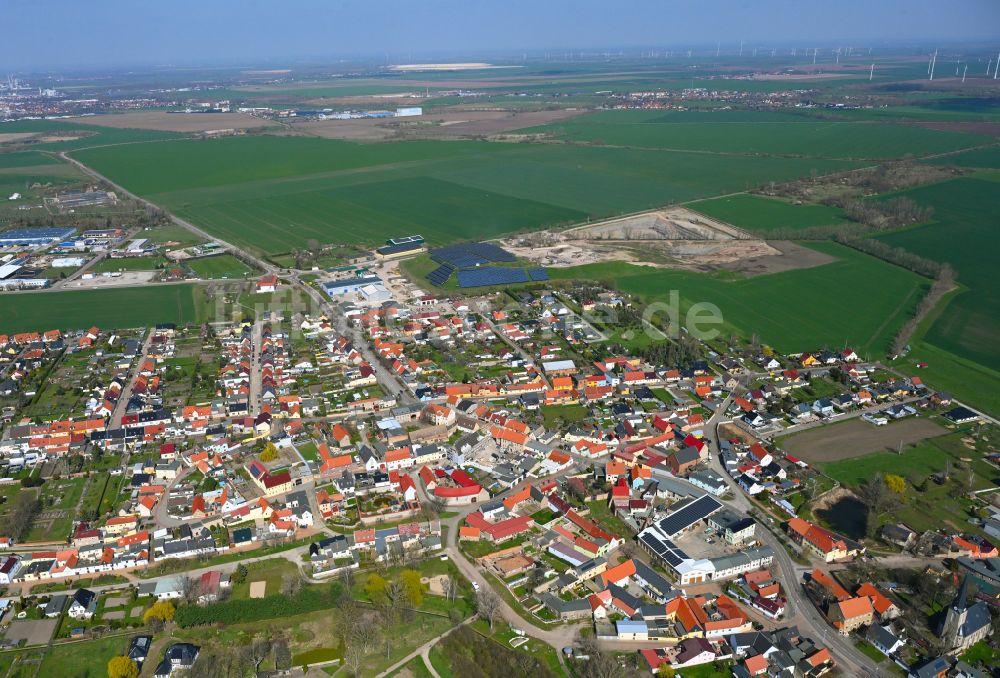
(309, 599)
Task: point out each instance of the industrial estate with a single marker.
(585, 364)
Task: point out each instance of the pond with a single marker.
(849, 516)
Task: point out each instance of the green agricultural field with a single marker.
(223, 266)
(276, 193)
(766, 137)
(111, 308)
(857, 299)
(756, 213)
(982, 157)
(25, 159)
(86, 135)
(962, 233)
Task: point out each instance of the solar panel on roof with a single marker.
(685, 517)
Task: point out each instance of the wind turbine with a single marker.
(872, 74)
(964, 72)
(741, 48)
(997, 67)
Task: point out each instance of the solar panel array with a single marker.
(439, 276)
(664, 548)
(470, 255)
(538, 274)
(685, 517)
(491, 275)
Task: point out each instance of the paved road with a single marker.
(120, 407)
(799, 610)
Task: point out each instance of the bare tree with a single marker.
(599, 664)
(450, 587)
(488, 604)
(354, 657)
(365, 633)
(290, 584)
(258, 651)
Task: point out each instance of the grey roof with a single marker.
(560, 606)
(977, 617)
(881, 637)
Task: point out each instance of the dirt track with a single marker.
(856, 438)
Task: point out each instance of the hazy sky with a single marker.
(48, 33)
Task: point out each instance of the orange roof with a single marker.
(827, 582)
(615, 468)
(755, 664)
(855, 607)
(615, 574)
(559, 457)
(879, 601)
(397, 455)
(471, 532)
(821, 657)
(511, 436)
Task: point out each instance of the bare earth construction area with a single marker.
(856, 438)
(675, 237)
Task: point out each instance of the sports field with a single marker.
(757, 213)
(222, 266)
(108, 309)
(273, 194)
(129, 264)
(856, 300)
(868, 140)
(963, 233)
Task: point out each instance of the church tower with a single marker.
(954, 621)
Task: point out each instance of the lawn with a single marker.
(757, 213)
(222, 266)
(308, 451)
(58, 502)
(857, 299)
(83, 659)
(276, 193)
(761, 137)
(108, 309)
(272, 571)
(567, 414)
